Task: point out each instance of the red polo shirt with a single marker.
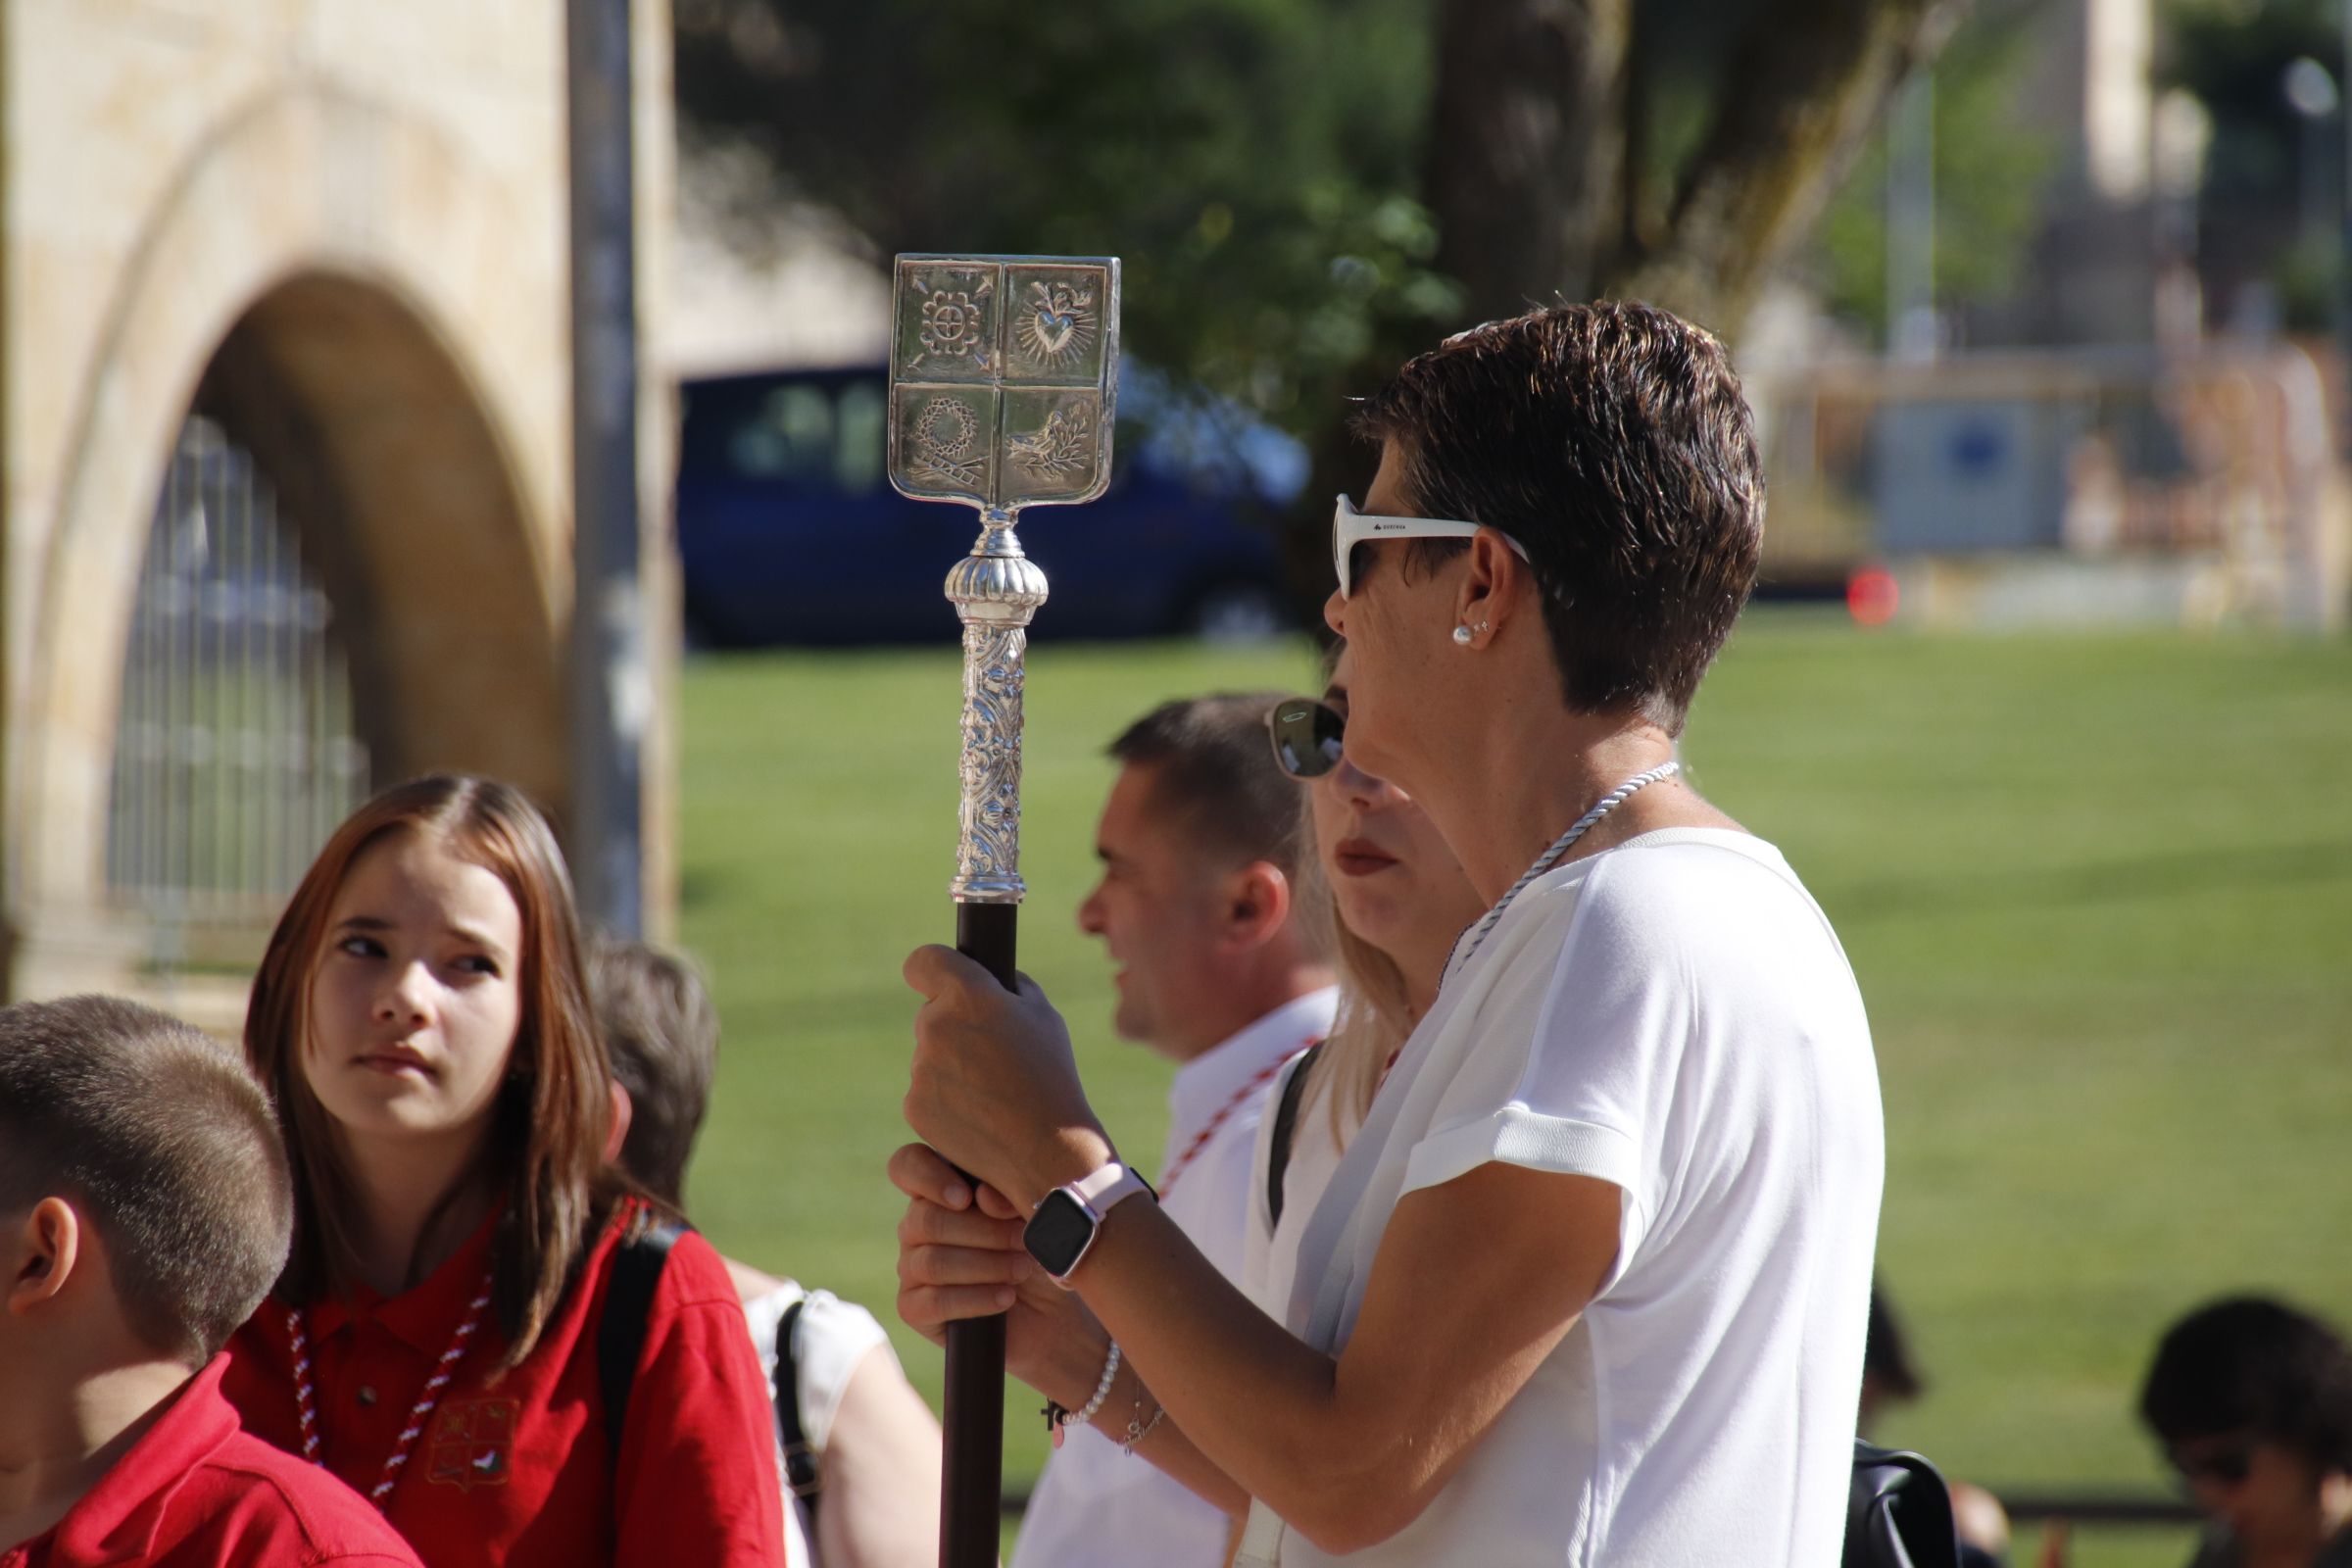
(196, 1493)
(519, 1471)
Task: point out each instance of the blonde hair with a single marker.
(1375, 1014)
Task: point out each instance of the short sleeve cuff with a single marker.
(1517, 1136)
(835, 1338)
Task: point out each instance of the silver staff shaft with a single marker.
(996, 591)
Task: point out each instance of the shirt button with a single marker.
(367, 1395)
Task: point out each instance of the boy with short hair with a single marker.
(144, 1212)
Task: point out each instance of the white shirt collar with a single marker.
(1205, 1083)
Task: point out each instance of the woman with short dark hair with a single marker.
(1589, 1284)
(2252, 1401)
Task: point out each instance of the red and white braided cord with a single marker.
(303, 1405)
(306, 1402)
(1192, 1150)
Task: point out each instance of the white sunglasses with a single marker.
(1350, 527)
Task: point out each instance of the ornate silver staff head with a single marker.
(1004, 381)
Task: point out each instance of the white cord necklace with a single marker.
(306, 1399)
(1551, 858)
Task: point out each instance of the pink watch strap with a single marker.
(1104, 1189)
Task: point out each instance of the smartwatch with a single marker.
(1063, 1229)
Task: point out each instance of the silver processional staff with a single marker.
(1004, 381)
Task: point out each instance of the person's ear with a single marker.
(1493, 583)
(623, 1108)
(44, 1247)
(1257, 902)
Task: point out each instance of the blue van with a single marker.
(789, 531)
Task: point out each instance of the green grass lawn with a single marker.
(2098, 890)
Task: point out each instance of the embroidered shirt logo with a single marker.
(473, 1443)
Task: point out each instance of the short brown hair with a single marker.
(168, 1144)
(546, 1142)
(662, 1034)
(1214, 771)
(1612, 441)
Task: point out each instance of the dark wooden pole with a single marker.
(972, 1474)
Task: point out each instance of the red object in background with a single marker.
(1872, 596)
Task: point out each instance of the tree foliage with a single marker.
(2233, 54)
(1303, 189)
(1252, 161)
(1307, 191)
(1990, 170)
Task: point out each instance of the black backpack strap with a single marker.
(1899, 1513)
(801, 1473)
(621, 1333)
(1286, 1128)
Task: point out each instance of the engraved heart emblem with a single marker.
(1059, 327)
(1054, 329)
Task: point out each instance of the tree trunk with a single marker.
(1526, 143)
(1807, 84)
(1539, 126)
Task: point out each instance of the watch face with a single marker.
(1057, 1233)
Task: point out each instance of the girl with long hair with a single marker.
(421, 1019)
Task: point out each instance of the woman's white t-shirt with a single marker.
(1673, 1016)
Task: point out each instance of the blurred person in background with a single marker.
(858, 1447)
(1889, 1377)
(1198, 904)
(2252, 1403)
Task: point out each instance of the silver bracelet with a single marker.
(1111, 1369)
(1137, 1429)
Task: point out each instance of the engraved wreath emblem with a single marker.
(946, 432)
(1056, 325)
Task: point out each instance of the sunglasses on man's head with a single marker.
(1350, 527)
(2224, 1462)
(1307, 735)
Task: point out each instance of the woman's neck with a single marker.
(417, 1204)
(1505, 803)
(1421, 969)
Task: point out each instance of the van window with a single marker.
(788, 435)
(858, 419)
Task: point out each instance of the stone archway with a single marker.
(427, 551)
(364, 334)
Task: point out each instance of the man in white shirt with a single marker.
(1202, 841)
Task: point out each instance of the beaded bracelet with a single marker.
(1056, 1418)
(1086, 1413)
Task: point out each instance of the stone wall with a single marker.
(353, 214)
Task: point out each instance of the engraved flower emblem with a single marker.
(952, 323)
